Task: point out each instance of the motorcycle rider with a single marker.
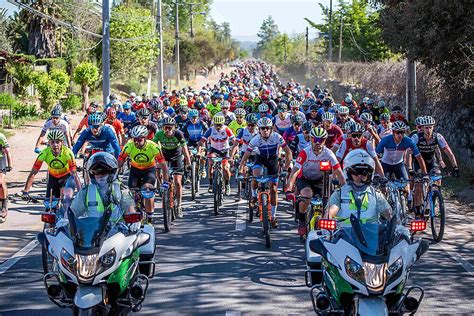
(357, 196)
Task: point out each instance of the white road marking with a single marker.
(241, 216)
(459, 259)
(18, 256)
(232, 313)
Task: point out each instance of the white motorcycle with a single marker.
(99, 267)
(364, 268)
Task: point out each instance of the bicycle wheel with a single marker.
(403, 208)
(250, 210)
(216, 191)
(166, 210)
(46, 259)
(193, 180)
(437, 215)
(266, 220)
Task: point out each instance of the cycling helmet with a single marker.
(321, 96)
(282, 107)
(263, 108)
(385, 117)
(307, 126)
(138, 99)
(112, 97)
(358, 159)
(313, 108)
(296, 119)
(252, 118)
(348, 99)
(306, 103)
(348, 125)
(225, 105)
(111, 112)
(168, 121)
(365, 99)
(264, 122)
(294, 104)
(166, 102)
(256, 100)
(183, 110)
(381, 104)
(343, 110)
(327, 116)
(153, 103)
(56, 111)
(193, 113)
(356, 128)
(239, 104)
(399, 126)
(127, 105)
(327, 102)
(419, 120)
(319, 132)
(56, 134)
(143, 112)
(218, 119)
(366, 117)
(396, 108)
(158, 107)
(239, 112)
(95, 119)
(102, 163)
(370, 101)
(139, 131)
(428, 120)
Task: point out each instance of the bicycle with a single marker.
(396, 197)
(138, 195)
(169, 202)
(313, 213)
(217, 184)
(195, 176)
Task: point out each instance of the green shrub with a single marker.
(52, 63)
(22, 75)
(86, 74)
(21, 113)
(72, 102)
(51, 86)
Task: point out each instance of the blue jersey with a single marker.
(106, 141)
(259, 116)
(170, 111)
(393, 153)
(126, 119)
(194, 132)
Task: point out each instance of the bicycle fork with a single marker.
(260, 205)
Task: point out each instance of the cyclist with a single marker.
(397, 115)
(226, 113)
(5, 165)
(214, 107)
(301, 141)
(263, 111)
(182, 117)
(342, 116)
(309, 176)
(157, 113)
(54, 123)
(144, 119)
(244, 136)
(428, 142)
(268, 144)
(127, 117)
(239, 122)
(115, 124)
(61, 167)
(83, 122)
(370, 132)
(282, 120)
(357, 197)
(99, 136)
(144, 156)
(295, 110)
(168, 108)
(334, 131)
(393, 148)
(295, 129)
(176, 153)
(219, 137)
(385, 126)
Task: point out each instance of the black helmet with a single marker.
(307, 126)
(102, 163)
(166, 102)
(143, 112)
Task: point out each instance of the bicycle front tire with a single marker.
(266, 220)
(437, 219)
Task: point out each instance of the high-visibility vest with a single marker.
(95, 205)
(363, 207)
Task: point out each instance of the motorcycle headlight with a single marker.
(87, 266)
(68, 261)
(375, 276)
(395, 267)
(354, 270)
(108, 259)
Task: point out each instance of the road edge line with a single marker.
(20, 254)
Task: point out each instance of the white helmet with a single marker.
(358, 159)
(263, 108)
(264, 122)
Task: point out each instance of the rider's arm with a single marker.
(294, 174)
(244, 160)
(80, 141)
(451, 156)
(114, 143)
(9, 156)
(417, 154)
(40, 139)
(334, 204)
(340, 176)
(288, 156)
(31, 176)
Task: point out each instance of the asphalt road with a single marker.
(219, 265)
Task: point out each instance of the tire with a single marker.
(403, 208)
(250, 210)
(93, 311)
(46, 258)
(266, 221)
(216, 191)
(166, 210)
(439, 218)
(193, 180)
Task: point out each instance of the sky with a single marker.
(246, 16)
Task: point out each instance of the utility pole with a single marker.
(307, 41)
(191, 18)
(330, 31)
(411, 90)
(177, 45)
(284, 45)
(340, 41)
(105, 51)
(159, 29)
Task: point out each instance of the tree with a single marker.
(86, 74)
(4, 40)
(51, 86)
(268, 31)
(17, 32)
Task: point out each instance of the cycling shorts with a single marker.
(432, 167)
(177, 164)
(315, 185)
(212, 152)
(399, 170)
(137, 178)
(55, 185)
(270, 164)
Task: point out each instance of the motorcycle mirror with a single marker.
(324, 165)
(131, 218)
(49, 218)
(328, 224)
(417, 225)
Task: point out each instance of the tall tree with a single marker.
(4, 40)
(268, 31)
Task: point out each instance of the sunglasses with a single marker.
(399, 132)
(143, 117)
(218, 125)
(265, 128)
(356, 135)
(318, 140)
(168, 127)
(239, 117)
(360, 172)
(55, 117)
(396, 112)
(55, 141)
(428, 127)
(157, 111)
(95, 126)
(139, 139)
(99, 172)
(297, 124)
(251, 125)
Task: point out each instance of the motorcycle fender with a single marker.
(120, 243)
(337, 254)
(88, 296)
(312, 257)
(372, 306)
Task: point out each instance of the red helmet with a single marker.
(111, 112)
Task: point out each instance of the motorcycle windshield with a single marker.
(87, 231)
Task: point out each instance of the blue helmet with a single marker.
(95, 119)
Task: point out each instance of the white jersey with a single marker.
(62, 125)
(308, 162)
(268, 148)
(282, 124)
(244, 137)
(219, 140)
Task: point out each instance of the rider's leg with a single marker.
(226, 169)
(149, 179)
(211, 171)
(274, 202)
(3, 196)
(179, 187)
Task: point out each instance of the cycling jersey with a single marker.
(300, 114)
(194, 132)
(171, 146)
(213, 109)
(181, 122)
(219, 139)
(299, 143)
(392, 152)
(170, 111)
(334, 132)
(382, 131)
(106, 141)
(83, 123)
(116, 126)
(127, 119)
(290, 134)
(282, 124)
(428, 148)
(62, 125)
(152, 128)
(267, 148)
(347, 146)
(142, 158)
(244, 137)
(58, 166)
(259, 116)
(3, 144)
(308, 162)
(236, 127)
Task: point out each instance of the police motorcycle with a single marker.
(102, 259)
(365, 268)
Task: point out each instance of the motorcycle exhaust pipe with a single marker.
(410, 303)
(136, 291)
(322, 301)
(54, 290)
